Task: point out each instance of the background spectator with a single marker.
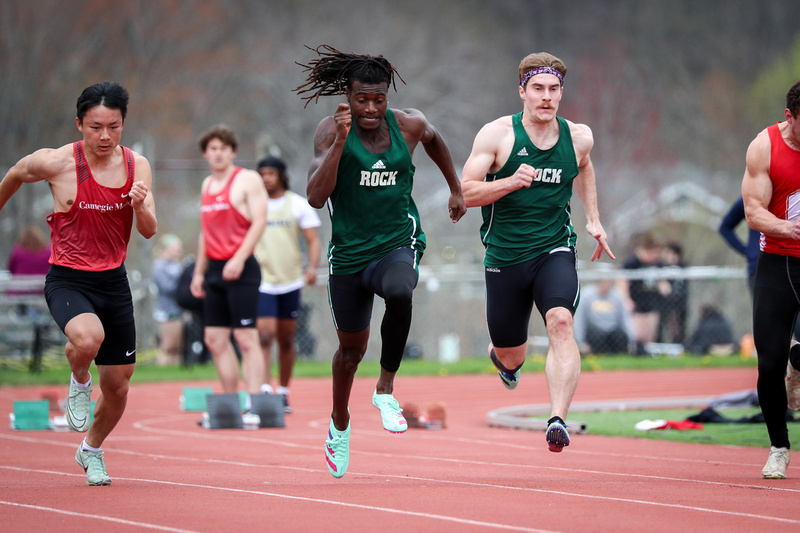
(165, 271)
(602, 321)
(672, 326)
(645, 296)
(714, 334)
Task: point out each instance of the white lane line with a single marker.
(87, 516)
(395, 456)
(445, 518)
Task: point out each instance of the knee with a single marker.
(398, 298)
(559, 323)
(216, 342)
(87, 341)
(247, 339)
(265, 338)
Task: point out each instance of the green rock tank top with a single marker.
(371, 209)
(536, 220)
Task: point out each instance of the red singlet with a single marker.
(224, 227)
(784, 172)
(93, 234)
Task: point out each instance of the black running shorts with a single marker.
(107, 294)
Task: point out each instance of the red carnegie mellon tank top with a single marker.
(784, 171)
(223, 226)
(93, 234)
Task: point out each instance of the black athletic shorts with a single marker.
(107, 294)
(351, 295)
(234, 303)
(549, 280)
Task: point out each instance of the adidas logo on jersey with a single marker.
(379, 165)
(522, 152)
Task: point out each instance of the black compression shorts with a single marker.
(549, 280)
(351, 295)
(107, 294)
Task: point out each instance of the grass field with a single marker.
(615, 423)
(622, 424)
(54, 365)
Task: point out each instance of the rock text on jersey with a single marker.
(378, 179)
(548, 175)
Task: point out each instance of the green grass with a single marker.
(15, 372)
(621, 424)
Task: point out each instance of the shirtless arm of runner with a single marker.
(329, 143)
(585, 185)
(256, 201)
(201, 264)
(142, 199)
(437, 150)
(41, 165)
(484, 159)
(757, 193)
(311, 235)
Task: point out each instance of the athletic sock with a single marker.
(81, 385)
(283, 390)
(85, 447)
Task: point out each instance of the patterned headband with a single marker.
(541, 70)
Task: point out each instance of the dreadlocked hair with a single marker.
(333, 72)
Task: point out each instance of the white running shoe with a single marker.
(776, 464)
(78, 406)
(93, 465)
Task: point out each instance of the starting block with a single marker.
(194, 398)
(224, 411)
(269, 407)
(30, 415)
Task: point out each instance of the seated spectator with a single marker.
(602, 321)
(30, 256)
(713, 335)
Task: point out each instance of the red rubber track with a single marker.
(169, 474)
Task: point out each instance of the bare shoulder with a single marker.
(410, 119)
(758, 152)
(582, 137)
(50, 163)
(498, 126)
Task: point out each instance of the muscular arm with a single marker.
(437, 150)
(486, 158)
(585, 186)
(256, 206)
(141, 196)
(757, 193)
(329, 143)
(43, 164)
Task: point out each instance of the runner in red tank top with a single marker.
(227, 275)
(98, 188)
(771, 193)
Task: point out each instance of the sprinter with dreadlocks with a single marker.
(362, 169)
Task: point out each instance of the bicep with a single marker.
(756, 184)
(482, 158)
